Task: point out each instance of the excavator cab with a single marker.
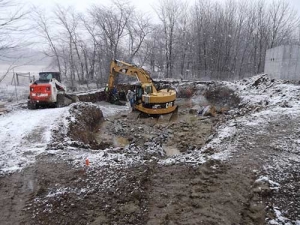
(139, 94)
(148, 89)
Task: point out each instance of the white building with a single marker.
(283, 62)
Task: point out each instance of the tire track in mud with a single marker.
(16, 190)
(212, 193)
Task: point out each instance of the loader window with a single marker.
(46, 76)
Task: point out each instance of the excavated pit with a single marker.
(185, 131)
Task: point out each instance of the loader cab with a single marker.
(47, 76)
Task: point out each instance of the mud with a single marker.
(148, 193)
(16, 189)
(153, 189)
(213, 193)
(183, 133)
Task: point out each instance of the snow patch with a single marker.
(24, 134)
(279, 218)
(112, 110)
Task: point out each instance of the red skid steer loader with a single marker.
(47, 91)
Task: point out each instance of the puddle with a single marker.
(171, 150)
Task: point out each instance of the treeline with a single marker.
(202, 40)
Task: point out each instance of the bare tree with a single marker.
(209, 40)
(152, 52)
(138, 28)
(93, 51)
(11, 24)
(169, 12)
(111, 22)
(283, 21)
(44, 27)
(69, 21)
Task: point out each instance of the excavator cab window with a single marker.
(148, 89)
(139, 93)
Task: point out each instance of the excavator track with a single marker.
(166, 118)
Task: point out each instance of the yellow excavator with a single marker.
(148, 99)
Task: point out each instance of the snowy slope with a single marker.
(24, 134)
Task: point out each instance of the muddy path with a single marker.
(16, 189)
(213, 193)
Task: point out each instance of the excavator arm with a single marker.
(120, 67)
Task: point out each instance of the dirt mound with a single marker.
(84, 121)
(79, 127)
(222, 97)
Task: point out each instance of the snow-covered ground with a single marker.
(111, 110)
(24, 134)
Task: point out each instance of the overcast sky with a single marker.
(83, 4)
(145, 5)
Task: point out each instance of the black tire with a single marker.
(60, 101)
(31, 105)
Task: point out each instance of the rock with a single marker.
(3, 110)
(146, 144)
(209, 111)
(286, 104)
(209, 138)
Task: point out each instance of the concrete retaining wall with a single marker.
(283, 62)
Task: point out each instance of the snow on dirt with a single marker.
(272, 97)
(267, 125)
(24, 134)
(111, 110)
(261, 135)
